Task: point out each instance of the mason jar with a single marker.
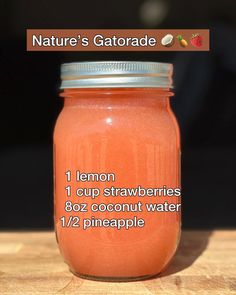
(117, 170)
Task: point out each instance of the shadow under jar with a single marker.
(116, 153)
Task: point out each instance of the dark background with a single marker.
(205, 102)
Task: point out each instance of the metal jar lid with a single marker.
(116, 74)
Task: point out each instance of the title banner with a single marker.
(118, 40)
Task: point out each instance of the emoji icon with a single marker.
(168, 40)
(182, 41)
(196, 40)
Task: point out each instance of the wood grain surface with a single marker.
(205, 263)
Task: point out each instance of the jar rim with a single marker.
(116, 74)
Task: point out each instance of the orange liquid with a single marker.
(132, 133)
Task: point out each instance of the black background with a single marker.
(204, 102)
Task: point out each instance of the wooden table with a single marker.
(205, 263)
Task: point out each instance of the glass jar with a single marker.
(116, 157)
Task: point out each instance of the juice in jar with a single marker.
(117, 170)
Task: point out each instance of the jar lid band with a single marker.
(116, 74)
